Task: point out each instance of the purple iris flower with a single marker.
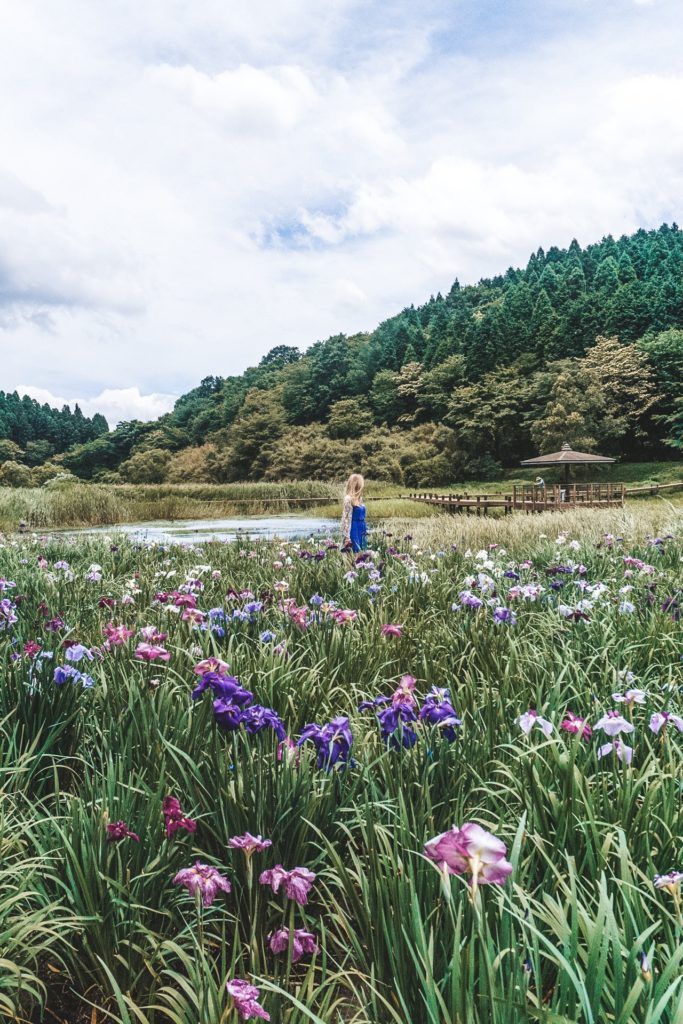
(672, 606)
(64, 673)
(332, 741)
(257, 718)
(227, 688)
(438, 711)
(227, 713)
(376, 702)
(504, 615)
(395, 726)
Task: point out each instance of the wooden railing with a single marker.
(527, 498)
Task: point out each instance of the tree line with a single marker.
(583, 345)
(33, 434)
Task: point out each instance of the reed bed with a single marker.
(74, 505)
(67, 504)
(102, 645)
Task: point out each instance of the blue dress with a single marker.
(359, 532)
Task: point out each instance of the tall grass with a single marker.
(562, 941)
(74, 505)
(64, 504)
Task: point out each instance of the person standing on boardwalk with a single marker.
(353, 527)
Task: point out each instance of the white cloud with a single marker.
(115, 404)
(184, 186)
(247, 99)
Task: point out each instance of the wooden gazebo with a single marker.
(567, 457)
(568, 493)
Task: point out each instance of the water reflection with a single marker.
(197, 531)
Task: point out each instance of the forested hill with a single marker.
(582, 345)
(31, 433)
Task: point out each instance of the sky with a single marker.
(184, 186)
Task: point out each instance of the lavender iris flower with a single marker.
(77, 652)
(7, 614)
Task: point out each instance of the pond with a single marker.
(197, 531)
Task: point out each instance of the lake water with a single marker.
(196, 531)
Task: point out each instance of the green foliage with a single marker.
(146, 467)
(13, 474)
(349, 417)
(9, 451)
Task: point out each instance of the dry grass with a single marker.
(639, 519)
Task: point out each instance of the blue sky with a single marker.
(184, 186)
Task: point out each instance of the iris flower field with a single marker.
(432, 783)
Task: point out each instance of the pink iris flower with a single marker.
(151, 652)
(624, 753)
(211, 665)
(115, 636)
(577, 725)
(193, 615)
(203, 879)
(403, 695)
(630, 697)
(613, 724)
(303, 943)
(245, 998)
(174, 819)
(295, 883)
(118, 830)
(390, 630)
(344, 615)
(470, 850)
(249, 844)
(152, 635)
(670, 881)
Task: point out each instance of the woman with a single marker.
(354, 531)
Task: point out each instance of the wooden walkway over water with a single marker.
(528, 498)
(551, 498)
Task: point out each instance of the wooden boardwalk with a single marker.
(528, 498)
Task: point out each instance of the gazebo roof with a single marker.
(565, 457)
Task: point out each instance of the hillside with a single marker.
(582, 345)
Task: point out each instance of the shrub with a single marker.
(146, 467)
(13, 474)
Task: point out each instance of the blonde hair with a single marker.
(354, 487)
